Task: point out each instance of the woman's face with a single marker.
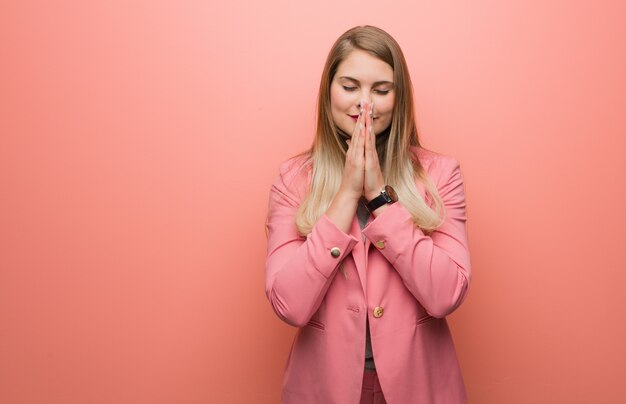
(362, 76)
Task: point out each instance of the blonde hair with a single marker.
(327, 154)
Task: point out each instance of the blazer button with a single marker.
(380, 244)
(335, 252)
(378, 312)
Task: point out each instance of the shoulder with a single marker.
(295, 167)
(439, 167)
(294, 175)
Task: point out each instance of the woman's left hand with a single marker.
(374, 181)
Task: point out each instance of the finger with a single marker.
(370, 118)
(371, 153)
(355, 133)
(371, 158)
(358, 138)
(359, 146)
(359, 119)
(364, 127)
(356, 126)
(358, 141)
(354, 140)
(368, 142)
(366, 112)
(371, 126)
(359, 130)
(370, 123)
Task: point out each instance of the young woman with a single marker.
(367, 247)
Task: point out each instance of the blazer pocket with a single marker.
(316, 324)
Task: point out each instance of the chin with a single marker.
(342, 132)
(345, 131)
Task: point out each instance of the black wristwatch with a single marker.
(387, 195)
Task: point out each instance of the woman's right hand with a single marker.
(354, 168)
(343, 207)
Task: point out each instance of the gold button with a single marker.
(378, 312)
(335, 252)
(380, 244)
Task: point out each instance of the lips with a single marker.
(356, 117)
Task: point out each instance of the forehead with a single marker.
(364, 67)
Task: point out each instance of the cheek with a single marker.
(385, 111)
(339, 101)
(385, 107)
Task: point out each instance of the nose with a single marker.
(363, 102)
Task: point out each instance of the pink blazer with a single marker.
(404, 281)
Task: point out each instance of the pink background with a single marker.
(139, 140)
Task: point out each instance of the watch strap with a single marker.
(379, 201)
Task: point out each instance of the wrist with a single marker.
(372, 194)
(376, 212)
(374, 191)
(385, 197)
(341, 210)
(346, 197)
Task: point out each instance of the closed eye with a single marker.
(382, 92)
(349, 88)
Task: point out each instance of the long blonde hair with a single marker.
(327, 154)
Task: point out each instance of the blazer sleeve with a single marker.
(435, 269)
(299, 270)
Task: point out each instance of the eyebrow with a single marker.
(375, 84)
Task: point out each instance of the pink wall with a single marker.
(139, 139)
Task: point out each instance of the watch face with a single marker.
(392, 193)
